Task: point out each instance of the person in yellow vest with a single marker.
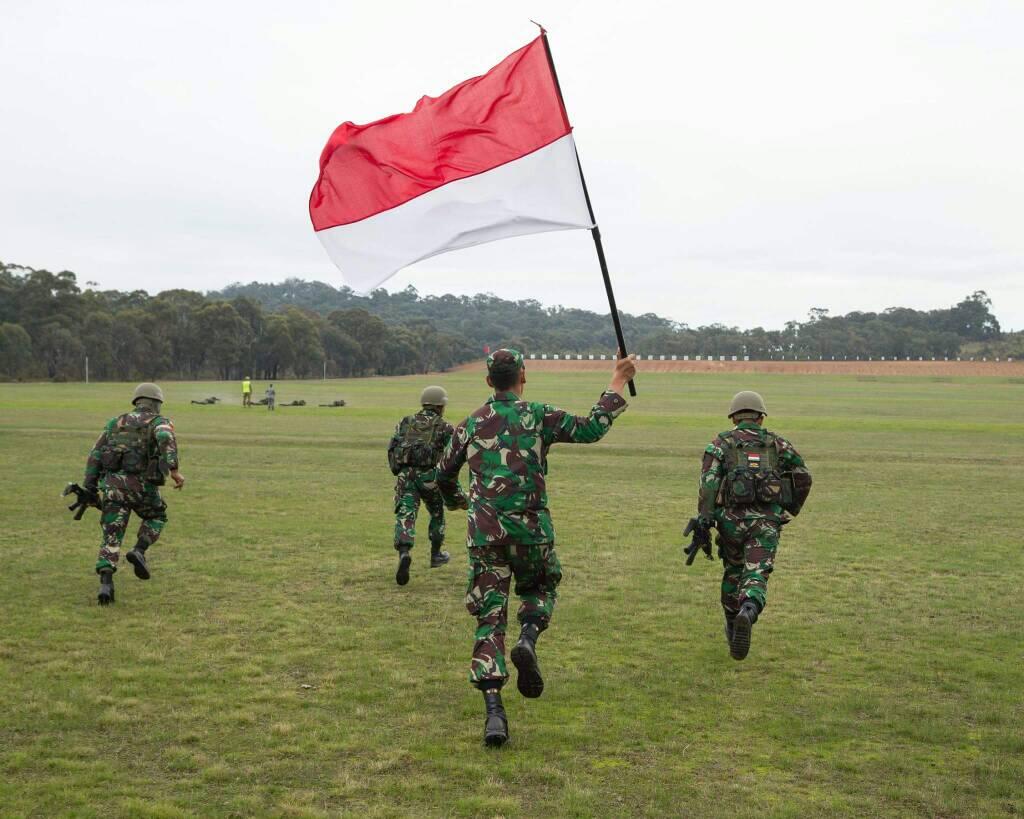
(247, 392)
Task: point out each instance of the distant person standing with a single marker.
(247, 392)
(271, 395)
(751, 481)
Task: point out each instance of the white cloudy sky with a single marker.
(747, 160)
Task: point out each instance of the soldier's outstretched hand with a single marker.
(625, 369)
(178, 478)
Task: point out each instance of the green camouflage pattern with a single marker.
(413, 486)
(747, 548)
(416, 484)
(537, 573)
(748, 536)
(506, 443)
(122, 493)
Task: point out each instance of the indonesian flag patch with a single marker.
(754, 460)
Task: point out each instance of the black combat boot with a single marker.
(137, 557)
(741, 628)
(106, 594)
(496, 725)
(404, 562)
(524, 656)
(437, 557)
(730, 616)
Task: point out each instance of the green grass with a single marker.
(271, 667)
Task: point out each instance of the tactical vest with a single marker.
(420, 445)
(752, 473)
(130, 448)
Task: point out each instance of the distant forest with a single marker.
(49, 325)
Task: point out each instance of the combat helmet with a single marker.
(747, 401)
(148, 390)
(434, 397)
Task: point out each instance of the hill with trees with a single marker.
(49, 325)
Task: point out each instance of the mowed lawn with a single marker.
(272, 667)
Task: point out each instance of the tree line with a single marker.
(49, 325)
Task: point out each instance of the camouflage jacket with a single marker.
(506, 444)
(163, 444)
(713, 471)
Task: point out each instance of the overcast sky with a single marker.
(747, 160)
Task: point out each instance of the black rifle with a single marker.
(83, 499)
(701, 539)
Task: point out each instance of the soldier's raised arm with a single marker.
(560, 426)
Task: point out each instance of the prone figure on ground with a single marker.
(413, 452)
(506, 444)
(270, 397)
(298, 402)
(340, 402)
(207, 401)
(131, 459)
(751, 481)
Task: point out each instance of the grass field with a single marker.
(271, 667)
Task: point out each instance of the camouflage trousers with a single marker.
(491, 568)
(119, 497)
(411, 488)
(747, 549)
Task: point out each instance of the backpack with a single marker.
(420, 443)
(752, 473)
(128, 445)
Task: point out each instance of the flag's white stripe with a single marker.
(539, 192)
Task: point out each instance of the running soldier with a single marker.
(506, 444)
(751, 481)
(413, 451)
(128, 463)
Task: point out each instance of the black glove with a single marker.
(701, 528)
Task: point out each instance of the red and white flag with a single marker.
(489, 159)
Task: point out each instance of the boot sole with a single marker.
(528, 680)
(740, 645)
(438, 565)
(141, 571)
(104, 599)
(402, 575)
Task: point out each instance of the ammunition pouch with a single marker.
(800, 483)
(110, 460)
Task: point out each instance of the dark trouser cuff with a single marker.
(400, 546)
(537, 620)
(490, 685)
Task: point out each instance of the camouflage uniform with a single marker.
(122, 493)
(417, 483)
(506, 444)
(748, 535)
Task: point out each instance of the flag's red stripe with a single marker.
(487, 121)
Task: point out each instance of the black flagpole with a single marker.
(595, 231)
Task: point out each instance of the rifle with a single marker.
(83, 499)
(701, 539)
